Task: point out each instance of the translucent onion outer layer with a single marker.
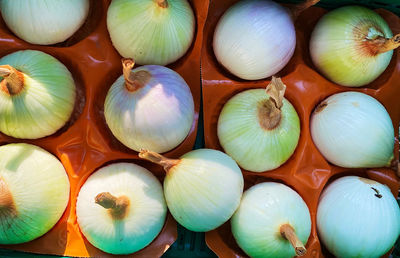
(44, 22)
(46, 101)
(339, 46)
(265, 207)
(243, 138)
(39, 191)
(157, 116)
(358, 217)
(352, 129)
(145, 214)
(149, 32)
(254, 39)
(204, 189)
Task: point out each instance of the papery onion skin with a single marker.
(338, 50)
(157, 116)
(353, 130)
(254, 148)
(145, 216)
(47, 100)
(39, 187)
(204, 189)
(149, 33)
(353, 220)
(44, 22)
(254, 39)
(263, 209)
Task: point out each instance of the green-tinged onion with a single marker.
(352, 45)
(149, 107)
(34, 192)
(272, 221)
(202, 188)
(44, 22)
(151, 31)
(37, 94)
(121, 208)
(358, 217)
(354, 130)
(259, 129)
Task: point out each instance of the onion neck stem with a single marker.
(288, 233)
(381, 45)
(134, 80)
(117, 206)
(13, 81)
(162, 3)
(297, 9)
(7, 206)
(156, 158)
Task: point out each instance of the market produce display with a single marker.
(34, 192)
(259, 128)
(156, 32)
(37, 94)
(202, 188)
(121, 208)
(44, 22)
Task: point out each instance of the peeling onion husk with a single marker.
(272, 221)
(354, 130)
(259, 129)
(202, 188)
(34, 192)
(37, 94)
(358, 217)
(44, 22)
(151, 31)
(121, 208)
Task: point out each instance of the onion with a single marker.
(121, 208)
(272, 221)
(202, 188)
(37, 94)
(44, 22)
(352, 45)
(354, 130)
(358, 217)
(259, 129)
(151, 31)
(34, 192)
(149, 107)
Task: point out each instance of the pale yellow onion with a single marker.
(34, 192)
(121, 208)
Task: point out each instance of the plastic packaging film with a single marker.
(306, 171)
(85, 143)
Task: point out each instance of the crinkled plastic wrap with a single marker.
(85, 143)
(306, 171)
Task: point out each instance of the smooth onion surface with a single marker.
(352, 129)
(145, 215)
(44, 22)
(264, 208)
(149, 33)
(254, 39)
(39, 191)
(358, 217)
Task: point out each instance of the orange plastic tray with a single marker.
(306, 171)
(86, 143)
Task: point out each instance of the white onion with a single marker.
(259, 129)
(202, 188)
(151, 31)
(121, 208)
(352, 129)
(44, 22)
(271, 221)
(358, 217)
(149, 107)
(34, 192)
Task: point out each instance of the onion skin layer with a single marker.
(358, 217)
(339, 50)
